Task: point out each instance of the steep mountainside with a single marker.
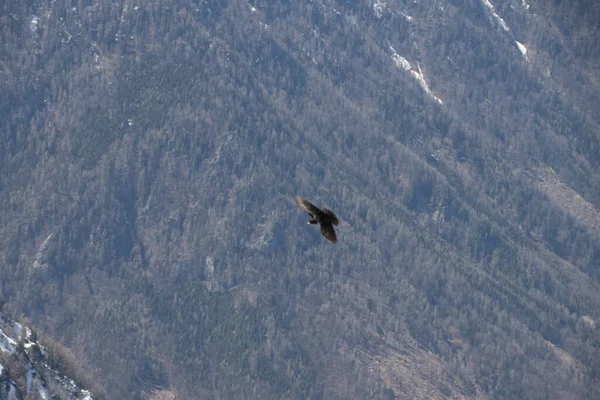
(28, 370)
(150, 154)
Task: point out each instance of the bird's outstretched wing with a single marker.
(307, 207)
(329, 233)
(332, 217)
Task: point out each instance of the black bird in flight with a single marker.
(325, 218)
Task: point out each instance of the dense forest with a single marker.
(150, 152)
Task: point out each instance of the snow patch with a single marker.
(379, 8)
(589, 321)
(403, 64)
(522, 48)
(504, 25)
(33, 23)
(44, 394)
(7, 344)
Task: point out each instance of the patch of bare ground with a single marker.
(567, 198)
(411, 371)
(162, 394)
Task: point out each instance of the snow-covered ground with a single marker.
(522, 48)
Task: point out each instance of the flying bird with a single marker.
(325, 218)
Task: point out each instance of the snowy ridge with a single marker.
(403, 63)
(24, 372)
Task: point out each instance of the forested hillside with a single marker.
(150, 152)
(33, 366)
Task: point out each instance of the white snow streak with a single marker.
(39, 257)
(490, 6)
(7, 344)
(403, 63)
(18, 328)
(504, 26)
(43, 393)
(522, 48)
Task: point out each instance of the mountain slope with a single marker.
(153, 150)
(28, 370)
